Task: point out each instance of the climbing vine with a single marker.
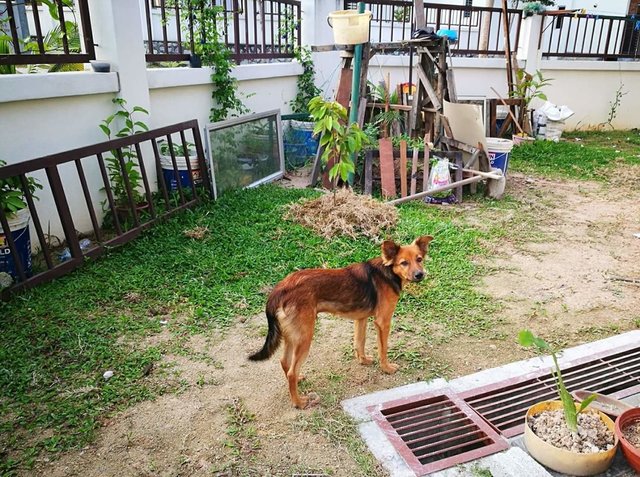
(208, 29)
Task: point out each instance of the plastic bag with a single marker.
(440, 176)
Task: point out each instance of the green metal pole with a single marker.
(355, 88)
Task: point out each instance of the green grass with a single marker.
(58, 339)
(592, 157)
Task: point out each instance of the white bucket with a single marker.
(498, 150)
(349, 26)
(171, 177)
(18, 221)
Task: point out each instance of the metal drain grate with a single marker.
(504, 404)
(435, 431)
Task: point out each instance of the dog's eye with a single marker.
(419, 259)
(404, 263)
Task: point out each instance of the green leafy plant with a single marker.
(178, 149)
(307, 89)
(339, 140)
(11, 194)
(529, 86)
(527, 338)
(208, 23)
(130, 170)
(614, 106)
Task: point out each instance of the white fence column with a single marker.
(528, 44)
(117, 31)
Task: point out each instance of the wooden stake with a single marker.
(403, 168)
(425, 172)
(414, 170)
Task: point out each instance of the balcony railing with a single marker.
(254, 30)
(31, 43)
(480, 29)
(574, 35)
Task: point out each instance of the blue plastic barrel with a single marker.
(19, 227)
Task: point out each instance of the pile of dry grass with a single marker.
(344, 213)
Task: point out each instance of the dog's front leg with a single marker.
(383, 324)
(359, 338)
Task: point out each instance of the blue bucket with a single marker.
(302, 133)
(171, 176)
(295, 155)
(20, 233)
(498, 150)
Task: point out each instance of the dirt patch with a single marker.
(593, 435)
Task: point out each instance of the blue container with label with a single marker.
(19, 226)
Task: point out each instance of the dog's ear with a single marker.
(389, 251)
(423, 243)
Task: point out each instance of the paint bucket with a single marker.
(171, 176)
(349, 26)
(498, 150)
(19, 228)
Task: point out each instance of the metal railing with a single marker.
(91, 170)
(573, 35)
(69, 41)
(254, 30)
(480, 30)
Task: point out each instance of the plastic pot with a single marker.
(562, 460)
(630, 452)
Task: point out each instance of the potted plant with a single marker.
(12, 202)
(529, 87)
(628, 432)
(130, 172)
(565, 438)
(341, 142)
(171, 175)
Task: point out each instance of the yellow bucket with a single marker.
(349, 26)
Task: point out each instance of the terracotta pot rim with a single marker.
(618, 425)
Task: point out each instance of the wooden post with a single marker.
(403, 168)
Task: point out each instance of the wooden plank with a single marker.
(414, 170)
(387, 174)
(428, 87)
(451, 86)
(343, 94)
(418, 13)
(368, 173)
(403, 168)
(458, 176)
(425, 172)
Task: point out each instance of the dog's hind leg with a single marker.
(301, 348)
(359, 338)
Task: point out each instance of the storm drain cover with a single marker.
(615, 372)
(435, 431)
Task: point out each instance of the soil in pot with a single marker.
(593, 435)
(632, 434)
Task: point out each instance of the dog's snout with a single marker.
(419, 275)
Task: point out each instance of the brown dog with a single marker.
(357, 292)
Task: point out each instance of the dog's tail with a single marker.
(273, 334)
